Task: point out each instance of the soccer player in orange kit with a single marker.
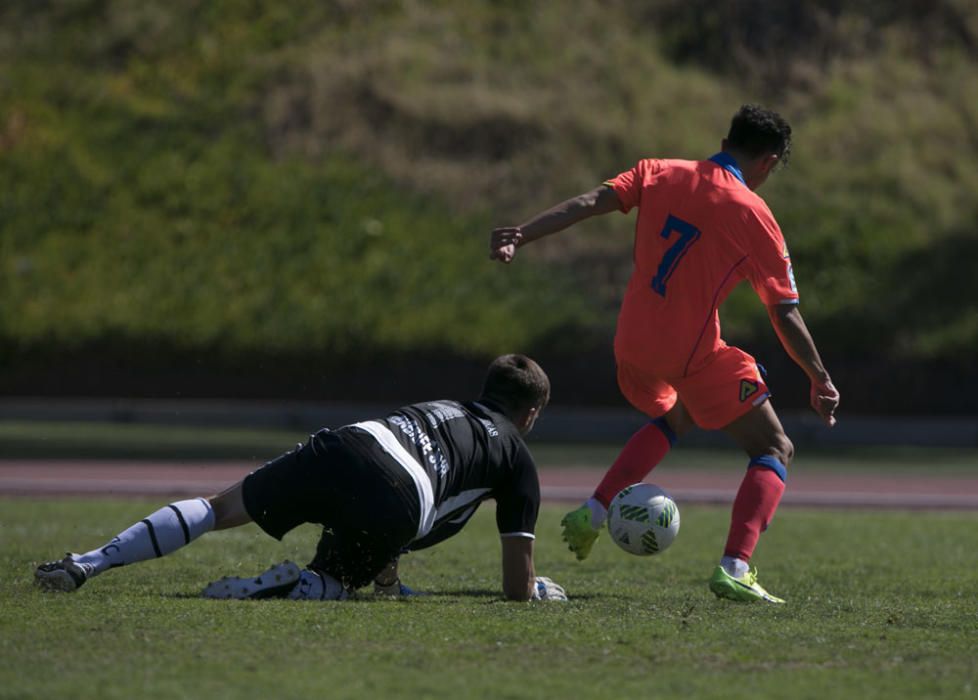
(701, 229)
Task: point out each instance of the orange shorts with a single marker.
(723, 389)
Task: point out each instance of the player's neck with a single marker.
(754, 170)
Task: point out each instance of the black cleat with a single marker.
(277, 582)
(65, 575)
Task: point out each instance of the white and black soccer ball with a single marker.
(643, 519)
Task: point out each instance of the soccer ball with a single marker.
(643, 519)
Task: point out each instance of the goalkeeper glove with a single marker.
(546, 589)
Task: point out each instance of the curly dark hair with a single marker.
(755, 131)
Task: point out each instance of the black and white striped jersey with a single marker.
(458, 455)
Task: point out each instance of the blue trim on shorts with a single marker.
(772, 463)
(662, 425)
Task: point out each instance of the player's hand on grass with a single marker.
(503, 242)
(825, 399)
(545, 589)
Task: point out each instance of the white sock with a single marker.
(598, 512)
(164, 531)
(734, 566)
(313, 585)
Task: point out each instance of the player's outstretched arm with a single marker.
(504, 241)
(798, 343)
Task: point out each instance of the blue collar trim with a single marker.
(727, 162)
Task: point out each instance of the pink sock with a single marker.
(643, 451)
(757, 499)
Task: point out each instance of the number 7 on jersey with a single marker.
(688, 235)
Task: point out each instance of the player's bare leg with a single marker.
(229, 508)
(158, 534)
(761, 435)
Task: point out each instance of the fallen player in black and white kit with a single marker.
(379, 488)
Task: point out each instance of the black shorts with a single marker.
(369, 510)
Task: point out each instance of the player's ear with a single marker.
(530, 416)
(769, 162)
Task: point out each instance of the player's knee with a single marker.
(229, 509)
(679, 420)
(683, 425)
(783, 449)
(221, 511)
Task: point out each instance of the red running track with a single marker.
(164, 479)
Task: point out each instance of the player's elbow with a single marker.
(783, 314)
(586, 200)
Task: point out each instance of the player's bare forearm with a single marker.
(518, 572)
(504, 241)
(797, 341)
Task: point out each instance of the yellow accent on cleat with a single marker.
(744, 589)
(578, 532)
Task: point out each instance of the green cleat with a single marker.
(745, 589)
(578, 532)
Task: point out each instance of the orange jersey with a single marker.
(700, 231)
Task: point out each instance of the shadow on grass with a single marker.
(490, 596)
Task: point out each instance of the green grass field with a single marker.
(879, 605)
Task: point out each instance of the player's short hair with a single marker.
(516, 382)
(757, 131)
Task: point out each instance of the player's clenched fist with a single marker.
(825, 399)
(503, 242)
